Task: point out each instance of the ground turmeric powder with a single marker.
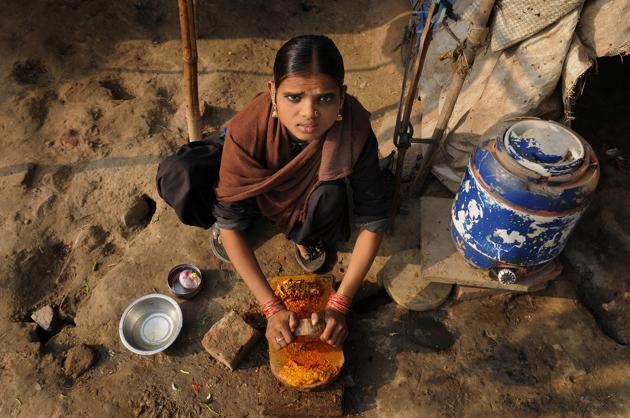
(302, 296)
(306, 364)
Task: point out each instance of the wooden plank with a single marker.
(273, 398)
(442, 263)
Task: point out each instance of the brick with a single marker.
(230, 339)
(275, 399)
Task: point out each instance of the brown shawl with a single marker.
(257, 162)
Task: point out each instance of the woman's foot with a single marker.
(310, 257)
(216, 245)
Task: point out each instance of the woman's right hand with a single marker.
(280, 327)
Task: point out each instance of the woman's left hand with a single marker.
(336, 329)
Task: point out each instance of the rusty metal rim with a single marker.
(545, 213)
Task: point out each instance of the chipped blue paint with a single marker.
(525, 192)
(511, 213)
(548, 149)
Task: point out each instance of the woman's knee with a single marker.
(329, 199)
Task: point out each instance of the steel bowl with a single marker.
(176, 287)
(150, 324)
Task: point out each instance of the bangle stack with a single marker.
(339, 303)
(272, 307)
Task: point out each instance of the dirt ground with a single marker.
(90, 102)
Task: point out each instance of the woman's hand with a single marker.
(280, 327)
(336, 329)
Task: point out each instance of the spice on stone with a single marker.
(302, 296)
(308, 362)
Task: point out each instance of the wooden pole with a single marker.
(476, 35)
(189, 52)
(425, 40)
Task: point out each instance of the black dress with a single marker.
(327, 216)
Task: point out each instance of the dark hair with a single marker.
(308, 54)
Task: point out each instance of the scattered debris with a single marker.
(212, 411)
(184, 371)
(230, 339)
(76, 241)
(45, 317)
(78, 360)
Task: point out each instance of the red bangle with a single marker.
(339, 303)
(272, 307)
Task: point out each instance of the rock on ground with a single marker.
(45, 318)
(78, 360)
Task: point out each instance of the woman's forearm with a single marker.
(244, 261)
(363, 254)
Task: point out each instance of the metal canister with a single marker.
(523, 192)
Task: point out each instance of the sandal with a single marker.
(315, 259)
(216, 246)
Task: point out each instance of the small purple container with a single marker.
(175, 285)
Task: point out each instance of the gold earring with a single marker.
(274, 110)
(339, 117)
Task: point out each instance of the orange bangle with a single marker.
(339, 303)
(272, 307)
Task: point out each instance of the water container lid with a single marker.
(544, 147)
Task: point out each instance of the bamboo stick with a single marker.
(189, 54)
(476, 35)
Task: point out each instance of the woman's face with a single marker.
(307, 104)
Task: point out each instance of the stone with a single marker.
(463, 293)
(78, 360)
(406, 286)
(230, 339)
(45, 318)
(275, 399)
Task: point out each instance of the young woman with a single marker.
(287, 156)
